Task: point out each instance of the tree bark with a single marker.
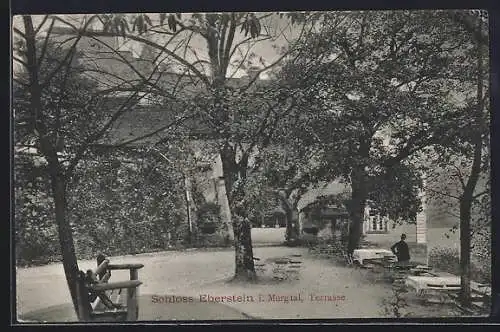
(465, 241)
(70, 263)
(359, 195)
(291, 234)
(244, 265)
(357, 207)
(466, 200)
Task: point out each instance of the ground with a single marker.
(194, 273)
(42, 293)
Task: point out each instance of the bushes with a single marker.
(208, 229)
(445, 259)
(448, 260)
(114, 207)
(36, 234)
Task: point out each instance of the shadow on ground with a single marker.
(148, 311)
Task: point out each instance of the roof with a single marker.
(123, 71)
(333, 188)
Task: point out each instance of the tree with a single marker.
(229, 39)
(376, 86)
(465, 157)
(289, 167)
(478, 139)
(59, 112)
(395, 192)
(38, 103)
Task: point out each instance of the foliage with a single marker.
(481, 253)
(60, 112)
(119, 203)
(260, 198)
(396, 305)
(229, 38)
(71, 108)
(378, 88)
(35, 232)
(127, 202)
(395, 192)
(448, 260)
(357, 83)
(208, 213)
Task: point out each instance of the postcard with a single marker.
(173, 167)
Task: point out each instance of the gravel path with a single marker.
(324, 289)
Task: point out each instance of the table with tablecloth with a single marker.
(360, 255)
(440, 283)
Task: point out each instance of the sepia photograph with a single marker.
(251, 166)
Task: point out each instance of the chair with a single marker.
(348, 258)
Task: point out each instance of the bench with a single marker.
(292, 271)
(101, 300)
(279, 268)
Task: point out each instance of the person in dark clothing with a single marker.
(401, 250)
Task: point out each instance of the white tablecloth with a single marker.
(421, 283)
(359, 255)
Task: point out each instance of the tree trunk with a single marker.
(244, 265)
(291, 234)
(467, 197)
(357, 207)
(70, 264)
(465, 241)
(466, 201)
(218, 52)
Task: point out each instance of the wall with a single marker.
(210, 184)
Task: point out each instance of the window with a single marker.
(377, 223)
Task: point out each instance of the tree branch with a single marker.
(442, 193)
(37, 30)
(19, 32)
(99, 133)
(227, 47)
(21, 61)
(70, 51)
(245, 41)
(171, 124)
(459, 175)
(487, 191)
(45, 43)
(284, 55)
(153, 45)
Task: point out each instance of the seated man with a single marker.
(402, 252)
